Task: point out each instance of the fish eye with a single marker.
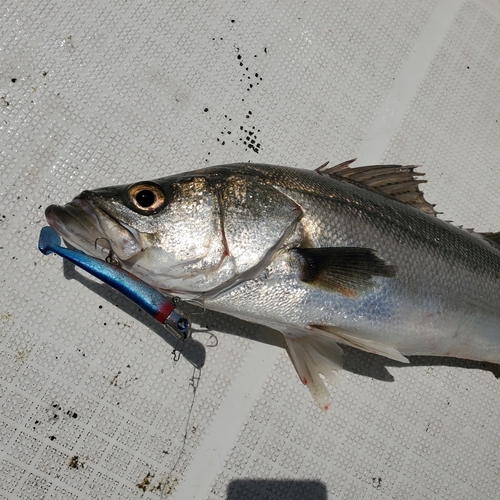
(147, 198)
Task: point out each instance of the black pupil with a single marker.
(145, 198)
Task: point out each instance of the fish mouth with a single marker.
(89, 228)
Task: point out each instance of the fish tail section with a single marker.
(312, 356)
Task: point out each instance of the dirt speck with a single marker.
(74, 462)
(144, 484)
(114, 381)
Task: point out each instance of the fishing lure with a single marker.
(161, 308)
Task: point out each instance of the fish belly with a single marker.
(416, 320)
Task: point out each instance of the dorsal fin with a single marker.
(398, 181)
(492, 238)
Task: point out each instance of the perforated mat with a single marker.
(96, 93)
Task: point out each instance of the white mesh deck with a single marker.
(96, 93)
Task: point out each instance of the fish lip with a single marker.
(78, 224)
(62, 219)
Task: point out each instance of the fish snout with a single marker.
(75, 222)
(55, 215)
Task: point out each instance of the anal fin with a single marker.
(344, 337)
(311, 356)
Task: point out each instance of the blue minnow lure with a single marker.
(161, 308)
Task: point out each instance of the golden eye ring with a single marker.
(146, 198)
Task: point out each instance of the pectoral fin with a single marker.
(312, 355)
(346, 270)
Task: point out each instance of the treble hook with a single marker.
(177, 352)
(111, 258)
(101, 238)
(198, 301)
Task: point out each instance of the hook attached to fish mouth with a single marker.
(161, 308)
(111, 258)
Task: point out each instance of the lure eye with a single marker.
(183, 325)
(146, 198)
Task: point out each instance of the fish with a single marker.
(333, 256)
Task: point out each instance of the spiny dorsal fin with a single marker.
(492, 238)
(345, 270)
(398, 181)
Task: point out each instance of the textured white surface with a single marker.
(96, 93)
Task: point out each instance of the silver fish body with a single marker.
(325, 257)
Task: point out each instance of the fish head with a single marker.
(184, 234)
(168, 228)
